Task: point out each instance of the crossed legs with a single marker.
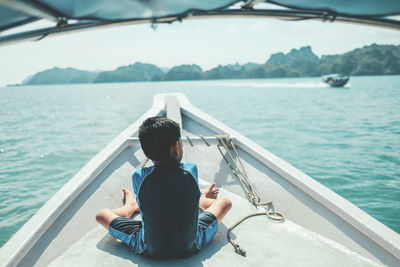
(105, 216)
(208, 202)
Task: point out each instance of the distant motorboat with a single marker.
(336, 79)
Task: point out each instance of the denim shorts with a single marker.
(207, 228)
(128, 231)
(131, 232)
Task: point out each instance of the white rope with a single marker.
(240, 173)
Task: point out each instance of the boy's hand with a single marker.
(211, 192)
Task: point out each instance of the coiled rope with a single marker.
(226, 142)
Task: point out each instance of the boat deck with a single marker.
(266, 242)
(322, 228)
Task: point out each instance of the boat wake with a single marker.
(309, 84)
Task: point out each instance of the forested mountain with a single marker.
(184, 72)
(61, 76)
(132, 73)
(369, 60)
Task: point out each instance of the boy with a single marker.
(168, 198)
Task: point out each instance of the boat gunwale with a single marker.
(19, 245)
(388, 239)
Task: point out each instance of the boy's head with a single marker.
(160, 139)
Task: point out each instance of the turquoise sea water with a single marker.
(347, 139)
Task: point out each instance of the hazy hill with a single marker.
(61, 76)
(230, 71)
(297, 63)
(293, 57)
(132, 73)
(369, 60)
(184, 72)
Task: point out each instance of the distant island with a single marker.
(369, 60)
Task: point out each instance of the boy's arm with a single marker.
(136, 180)
(192, 168)
(211, 191)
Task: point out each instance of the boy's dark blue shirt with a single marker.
(162, 234)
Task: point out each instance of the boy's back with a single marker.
(169, 199)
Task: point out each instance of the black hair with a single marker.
(157, 135)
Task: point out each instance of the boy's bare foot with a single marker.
(129, 199)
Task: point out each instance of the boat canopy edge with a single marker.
(74, 15)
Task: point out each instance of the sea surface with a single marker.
(346, 138)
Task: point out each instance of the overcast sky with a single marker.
(207, 43)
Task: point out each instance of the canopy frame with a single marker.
(247, 10)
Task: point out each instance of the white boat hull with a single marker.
(65, 225)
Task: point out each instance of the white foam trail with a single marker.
(310, 84)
